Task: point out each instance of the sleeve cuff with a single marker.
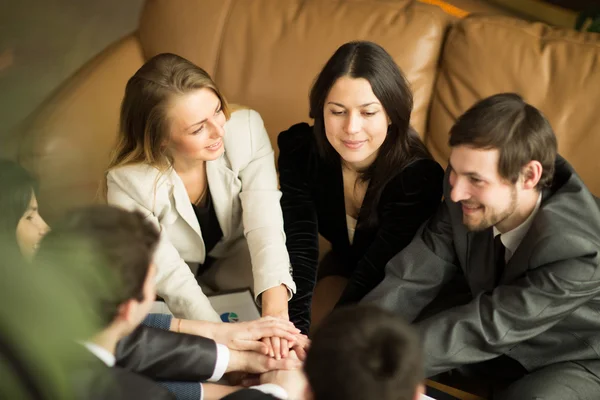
(201, 392)
(221, 364)
(273, 390)
(160, 321)
(288, 282)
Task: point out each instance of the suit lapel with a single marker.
(519, 262)
(183, 204)
(361, 234)
(332, 220)
(220, 181)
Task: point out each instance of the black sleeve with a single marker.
(296, 152)
(164, 355)
(407, 202)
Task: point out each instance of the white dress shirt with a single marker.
(513, 238)
(104, 355)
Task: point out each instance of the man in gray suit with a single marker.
(520, 227)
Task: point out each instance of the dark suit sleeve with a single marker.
(249, 394)
(163, 355)
(300, 218)
(406, 203)
(414, 277)
(494, 322)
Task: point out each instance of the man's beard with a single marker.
(495, 218)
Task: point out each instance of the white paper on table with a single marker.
(238, 306)
(235, 307)
(425, 397)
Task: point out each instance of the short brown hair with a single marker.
(518, 130)
(364, 352)
(113, 243)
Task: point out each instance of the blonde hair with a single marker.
(144, 125)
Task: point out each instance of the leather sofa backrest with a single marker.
(266, 53)
(556, 70)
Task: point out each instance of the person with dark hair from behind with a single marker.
(108, 252)
(360, 177)
(358, 353)
(519, 225)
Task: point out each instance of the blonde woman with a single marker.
(206, 177)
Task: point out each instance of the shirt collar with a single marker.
(513, 238)
(104, 355)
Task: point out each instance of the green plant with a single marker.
(588, 19)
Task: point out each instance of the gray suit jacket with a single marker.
(546, 308)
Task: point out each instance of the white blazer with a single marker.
(244, 189)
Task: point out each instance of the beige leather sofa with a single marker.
(266, 53)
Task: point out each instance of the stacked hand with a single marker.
(246, 336)
(292, 380)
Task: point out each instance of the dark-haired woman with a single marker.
(21, 226)
(360, 177)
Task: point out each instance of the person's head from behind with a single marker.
(21, 226)
(363, 352)
(172, 111)
(110, 251)
(503, 152)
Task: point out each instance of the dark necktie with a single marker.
(499, 257)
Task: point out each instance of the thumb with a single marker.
(250, 345)
(288, 363)
(292, 355)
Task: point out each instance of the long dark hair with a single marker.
(18, 186)
(370, 61)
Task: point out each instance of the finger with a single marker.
(250, 345)
(293, 355)
(267, 342)
(274, 323)
(276, 343)
(282, 324)
(288, 363)
(284, 348)
(299, 352)
(303, 340)
(273, 332)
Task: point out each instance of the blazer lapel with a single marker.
(222, 190)
(332, 218)
(183, 204)
(519, 262)
(361, 234)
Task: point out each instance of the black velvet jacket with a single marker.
(313, 204)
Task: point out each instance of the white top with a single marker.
(351, 223)
(513, 238)
(104, 355)
(244, 188)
